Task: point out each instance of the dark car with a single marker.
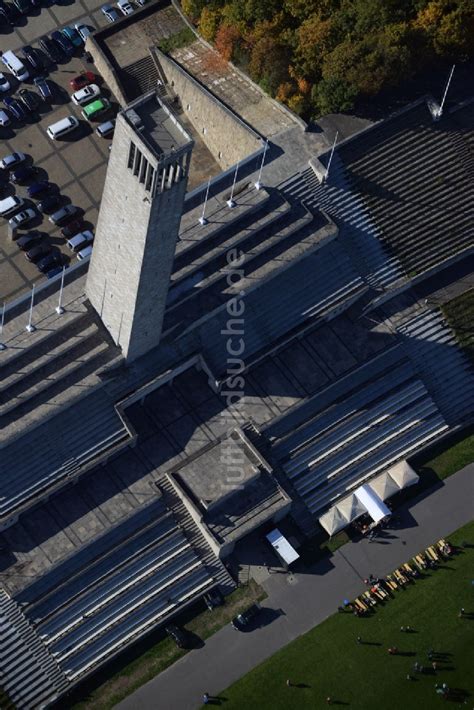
(213, 599)
(49, 262)
(179, 635)
(15, 107)
(27, 241)
(245, 619)
(51, 49)
(43, 86)
(66, 46)
(32, 57)
(23, 174)
(10, 12)
(22, 6)
(64, 215)
(29, 99)
(38, 252)
(4, 17)
(49, 203)
(72, 228)
(39, 188)
(54, 271)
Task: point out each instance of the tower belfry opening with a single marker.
(138, 224)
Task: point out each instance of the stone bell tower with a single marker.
(138, 224)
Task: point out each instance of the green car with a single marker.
(71, 34)
(96, 109)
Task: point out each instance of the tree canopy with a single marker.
(319, 56)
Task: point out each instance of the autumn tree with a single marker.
(226, 38)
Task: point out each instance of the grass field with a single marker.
(447, 457)
(153, 655)
(328, 661)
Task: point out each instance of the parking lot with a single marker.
(77, 164)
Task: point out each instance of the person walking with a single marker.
(205, 698)
(288, 683)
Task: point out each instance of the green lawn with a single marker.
(150, 657)
(446, 458)
(327, 661)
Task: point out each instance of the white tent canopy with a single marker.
(374, 505)
(369, 498)
(403, 474)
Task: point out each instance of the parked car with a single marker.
(142, 2)
(110, 13)
(49, 262)
(106, 129)
(37, 189)
(84, 253)
(179, 635)
(72, 228)
(4, 118)
(95, 109)
(28, 240)
(4, 16)
(29, 99)
(51, 49)
(79, 241)
(82, 80)
(64, 215)
(54, 271)
(72, 36)
(125, 7)
(22, 6)
(23, 217)
(85, 95)
(65, 45)
(49, 203)
(245, 619)
(12, 160)
(15, 107)
(213, 599)
(38, 252)
(4, 83)
(32, 57)
(23, 174)
(10, 13)
(44, 87)
(83, 31)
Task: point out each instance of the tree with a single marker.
(331, 95)
(269, 62)
(314, 44)
(226, 38)
(209, 23)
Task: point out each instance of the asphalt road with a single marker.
(298, 602)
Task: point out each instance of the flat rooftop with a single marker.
(208, 476)
(154, 123)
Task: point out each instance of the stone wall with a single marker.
(106, 68)
(228, 138)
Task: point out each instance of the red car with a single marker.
(82, 80)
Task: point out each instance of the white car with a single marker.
(83, 31)
(125, 6)
(85, 95)
(4, 118)
(84, 253)
(79, 241)
(4, 83)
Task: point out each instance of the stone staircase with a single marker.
(139, 77)
(30, 675)
(215, 567)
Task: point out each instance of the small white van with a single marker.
(10, 205)
(15, 65)
(60, 128)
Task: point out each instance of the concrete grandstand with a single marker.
(109, 522)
